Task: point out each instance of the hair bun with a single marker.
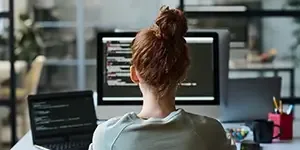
(170, 24)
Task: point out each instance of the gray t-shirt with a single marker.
(180, 130)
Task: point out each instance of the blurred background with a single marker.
(64, 31)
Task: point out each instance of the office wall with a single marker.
(111, 13)
(277, 33)
(20, 7)
(121, 14)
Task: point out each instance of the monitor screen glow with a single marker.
(116, 86)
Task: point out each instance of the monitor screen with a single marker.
(60, 115)
(117, 87)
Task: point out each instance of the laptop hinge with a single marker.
(80, 137)
(47, 140)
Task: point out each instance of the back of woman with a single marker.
(178, 131)
(160, 61)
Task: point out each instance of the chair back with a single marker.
(32, 78)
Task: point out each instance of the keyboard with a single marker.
(73, 145)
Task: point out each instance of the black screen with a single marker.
(117, 85)
(59, 116)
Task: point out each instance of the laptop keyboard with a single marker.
(68, 145)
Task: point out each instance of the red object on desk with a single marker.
(286, 125)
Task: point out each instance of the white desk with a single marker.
(245, 65)
(288, 145)
(26, 144)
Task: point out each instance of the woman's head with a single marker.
(160, 56)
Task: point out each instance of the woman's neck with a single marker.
(157, 107)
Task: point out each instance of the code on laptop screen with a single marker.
(63, 116)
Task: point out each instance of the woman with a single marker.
(159, 63)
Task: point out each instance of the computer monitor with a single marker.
(238, 29)
(202, 86)
(252, 94)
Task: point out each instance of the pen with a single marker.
(280, 107)
(276, 109)
(289, 110)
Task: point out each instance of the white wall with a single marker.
(19, 7)
(111, 13)
(277, 33)
(122, 14)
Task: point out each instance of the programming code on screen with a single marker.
(59, 115)
(118, 56)
(117, 84)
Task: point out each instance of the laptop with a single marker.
(250, 99)
(62, 121)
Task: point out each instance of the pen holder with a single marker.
(285, 122)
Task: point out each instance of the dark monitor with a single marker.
(238, 29)
(58, 114)
(114, 86)
(250, 99)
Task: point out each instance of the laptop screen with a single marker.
(62, 115)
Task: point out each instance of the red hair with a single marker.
(160, 53)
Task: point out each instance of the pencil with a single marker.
(275, 104)
(280, 107)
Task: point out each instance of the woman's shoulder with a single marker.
(204, 121)
(107, 131)
(119, 120)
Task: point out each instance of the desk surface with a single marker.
(26, 144)
(243, 64)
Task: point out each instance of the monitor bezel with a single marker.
(99, 73)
